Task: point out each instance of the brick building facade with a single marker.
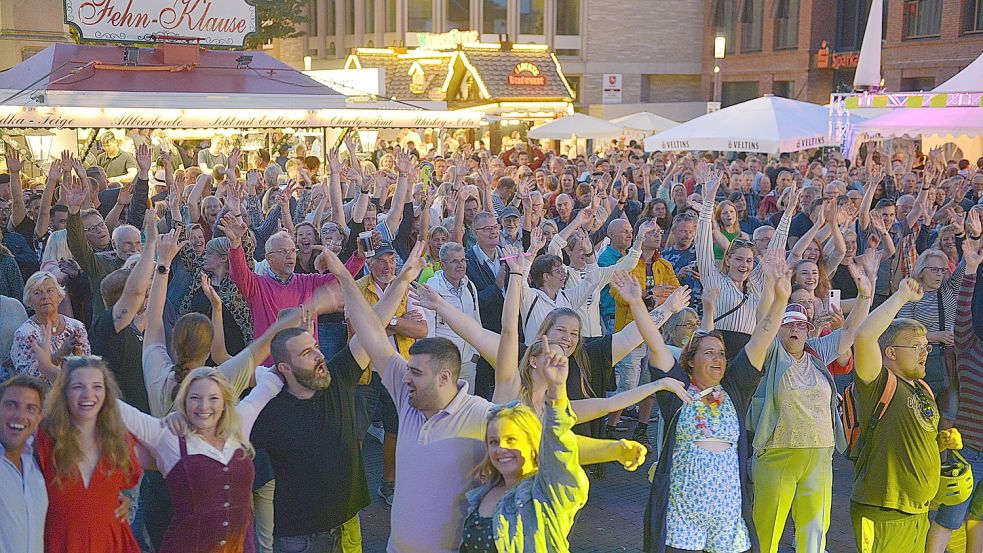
(773, 46)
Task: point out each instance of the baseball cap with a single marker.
(510, 211)
(383, 249)
(796, 313)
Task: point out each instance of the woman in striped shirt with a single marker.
(738, 278)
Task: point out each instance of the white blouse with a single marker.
(166, 447)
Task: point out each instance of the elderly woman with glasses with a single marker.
(739, 280)
(936, 310)
(700, 498)
(44, 340)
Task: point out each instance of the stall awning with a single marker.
(77, 86)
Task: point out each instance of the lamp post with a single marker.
(719, 50)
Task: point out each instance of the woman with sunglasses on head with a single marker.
(700, 498)
(88, 459)
(533, 485)
(794, 417)
(738, 278)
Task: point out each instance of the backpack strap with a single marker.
(890, 387)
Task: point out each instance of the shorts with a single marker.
(879, 530)
(953, 516)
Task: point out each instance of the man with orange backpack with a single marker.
(897, 456)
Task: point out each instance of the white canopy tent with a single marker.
(577, 125)
(645, 121)
(769, 125)
(936, 126)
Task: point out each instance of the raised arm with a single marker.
(168, 246)
(234, 229)
(874, 176)
(963, 333)
(485, 341)
(630, 292)
(135, 290)
(506, 362)
(867, 351)
(44, 211)
(865, 276)
(778, 277)
(629, 338)
(14, 166)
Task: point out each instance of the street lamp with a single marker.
(719, 51)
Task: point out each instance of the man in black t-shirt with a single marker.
(309, 432)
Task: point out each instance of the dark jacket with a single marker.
(740, 381)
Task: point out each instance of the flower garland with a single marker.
(707, 416)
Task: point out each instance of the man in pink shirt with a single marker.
(280, 287)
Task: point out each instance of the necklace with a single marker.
(708, 414)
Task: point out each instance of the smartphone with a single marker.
(365, 239)
(834, 299)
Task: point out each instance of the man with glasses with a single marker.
(452, 283)
(681, 254)
(278, 288)
(898, 467)
(485, 271)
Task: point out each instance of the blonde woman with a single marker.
(533, 483)
(87, 458)
(48, 337)
(207, 464)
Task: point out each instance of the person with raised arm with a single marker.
(704, 461)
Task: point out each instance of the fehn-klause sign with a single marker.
(215, 22)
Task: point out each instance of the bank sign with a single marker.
(223, 23)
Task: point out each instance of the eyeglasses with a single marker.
(938, 270)
(94, 227)
(288, 253)
(455, 261)
(492, 228)
(920, 348)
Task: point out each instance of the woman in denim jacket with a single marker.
(533, 483)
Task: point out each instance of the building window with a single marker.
(783, 89)
(786, 24)
(369, 17)
(329, 18)
(917, 84)
(496, 16)
(312, 18)
(349, 17)
(974, 16)
(723, 19)
(458, 15)
(851, 20)
(419, 16)
(752, 22)
(390, 16)
(332, 51)
(568, 17)
(530, 17)
(737, 91)
(923, 18)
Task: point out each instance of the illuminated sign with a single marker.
(827, 59)
(352, 82)
(442, 41)
(526, 74)
(215, 22)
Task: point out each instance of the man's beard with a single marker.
(313, 381)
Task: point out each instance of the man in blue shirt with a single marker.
(620, 233)
(24, 501)
(682, 255)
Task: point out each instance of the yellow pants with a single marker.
(799, 481)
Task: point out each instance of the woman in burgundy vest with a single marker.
(208, 469)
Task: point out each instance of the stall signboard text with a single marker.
(527, 73)
(215, 22)
(79, 117)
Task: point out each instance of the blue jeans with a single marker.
(346, 538)
(331, 336)
(953, 516)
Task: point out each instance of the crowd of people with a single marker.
(199, 342)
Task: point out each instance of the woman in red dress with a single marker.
(87, 458)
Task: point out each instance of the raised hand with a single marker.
(66, 162)
(150, 225)
(234, 156)
(206, 287)
(972, 255)
(911, 290)
(125, 195)
(973, 226)
(627, 286)
(678, 300)
(670, 384)
(233, 228)
(166, 157)
(536, 240)
(404, 162)
(143, 158)
(553, 365)
(425, 296)
(334, 161)
(74, 192)
(168, 246)
(414, 262)
(330, 262)
(14, 162)
(41, 346)
(517, 262)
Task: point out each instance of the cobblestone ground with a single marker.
(611, 521)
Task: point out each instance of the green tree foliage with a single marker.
(277, 19)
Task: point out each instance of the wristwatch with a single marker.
(162, 269)
(393, 321)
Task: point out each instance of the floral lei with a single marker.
(707, 416)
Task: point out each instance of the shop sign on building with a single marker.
(442, 41)
(527, 74)
(215, 22)
(611, 88)
(352, 82)
(827, 59)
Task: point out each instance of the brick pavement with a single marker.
(611, 520)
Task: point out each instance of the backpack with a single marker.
(851, 422)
